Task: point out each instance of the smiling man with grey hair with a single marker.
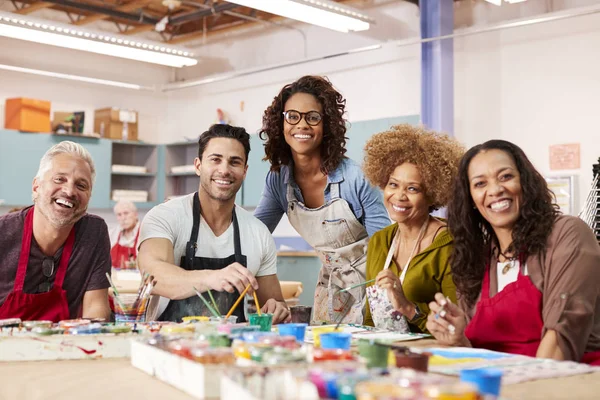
(55, 255)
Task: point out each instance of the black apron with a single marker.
(193, 306)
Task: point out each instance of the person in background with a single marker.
(55, 256)
(526, 276)
(204, 241)
(324, 194)
(124, 239)
(409, 260)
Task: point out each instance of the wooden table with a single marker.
(117, 379)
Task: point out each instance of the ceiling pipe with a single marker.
(139, 18)
(550, 17)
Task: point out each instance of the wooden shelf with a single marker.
(176, 174)
(148, 174)
(296, 254)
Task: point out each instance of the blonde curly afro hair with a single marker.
(435, 154)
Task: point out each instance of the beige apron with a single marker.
(382, 311)
(341, 243)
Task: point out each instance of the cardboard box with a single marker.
(28, 115)
(112, 123)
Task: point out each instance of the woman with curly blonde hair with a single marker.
(409, 260)
(325, 195)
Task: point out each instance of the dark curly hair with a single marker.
(474, 236)
(333, 147)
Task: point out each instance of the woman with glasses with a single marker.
(324, 194)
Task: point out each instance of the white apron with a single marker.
(383, 313)
(340, 240)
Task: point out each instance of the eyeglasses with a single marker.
(294, 117)
(48, 267)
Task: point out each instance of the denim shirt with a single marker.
(364, 200)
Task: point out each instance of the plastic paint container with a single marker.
(263, 320)
(318, 330)
(29, 325)
(336, 340)
(297, 330)
(301, 314)
(375, 354)
(487, 380)
(332, 355)
(254, 336)
(231, 320)
(416, 361)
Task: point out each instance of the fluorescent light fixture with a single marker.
(327, 14)
(514, 1)
(56, 34)
(495, 2)
(78, 78)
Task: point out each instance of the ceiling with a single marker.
(187, 19)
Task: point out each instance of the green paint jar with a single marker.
(263, 320)
(374, 353)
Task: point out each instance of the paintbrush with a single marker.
(207, 304)
(213, 301)
(355, 286)
(140, 302)
(256, 302)
(115, 292)
(237, 301)
(148, 283)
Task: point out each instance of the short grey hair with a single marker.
(130, 205)
(65, 147)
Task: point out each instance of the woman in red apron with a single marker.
(51, 305)
(526, 275)
(124, 252)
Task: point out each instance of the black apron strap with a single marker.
(192, 244)
(236, 241)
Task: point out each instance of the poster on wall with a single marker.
(565, 156)
(563, 188)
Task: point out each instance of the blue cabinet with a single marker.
(359, 132)
(20, 155)
(257, 172)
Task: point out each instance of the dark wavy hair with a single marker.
(333, 147)
(474, 236)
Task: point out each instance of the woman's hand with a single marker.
(389, 281)
(447, 322)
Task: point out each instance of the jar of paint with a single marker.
(263, 320)
(375, 354)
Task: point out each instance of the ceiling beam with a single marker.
(139, 18)
(134, 5)
(138, 29)
(200, 33)
(199, 14)
(34, 7)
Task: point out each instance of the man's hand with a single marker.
(279, 309)
(235, 276)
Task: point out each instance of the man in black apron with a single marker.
(214, 227)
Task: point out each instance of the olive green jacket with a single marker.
(428, 272)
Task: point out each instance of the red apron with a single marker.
(122, 254)
(51, 305)
(511, 321)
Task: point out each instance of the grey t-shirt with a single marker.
(88, 265)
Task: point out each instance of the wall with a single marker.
(67, 95)
(535, 86)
